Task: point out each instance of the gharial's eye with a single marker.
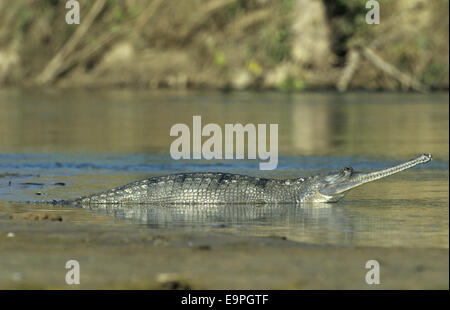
(348, 169)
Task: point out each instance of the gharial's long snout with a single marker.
(359, 178)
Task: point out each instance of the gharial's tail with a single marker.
(53, 202)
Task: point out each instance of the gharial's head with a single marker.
(334, 186)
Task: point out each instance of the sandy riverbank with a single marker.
(116, 254)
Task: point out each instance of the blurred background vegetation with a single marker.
(288, 45)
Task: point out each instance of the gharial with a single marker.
(225, 188)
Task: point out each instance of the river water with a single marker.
(61, 145)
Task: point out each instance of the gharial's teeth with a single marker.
(389, 171)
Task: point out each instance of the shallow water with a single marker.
(64, 145)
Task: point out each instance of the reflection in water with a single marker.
(206, 215)
(347, 224)
(316, 223)
(309, 124)
(313, 130)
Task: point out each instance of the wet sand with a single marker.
(35, 246)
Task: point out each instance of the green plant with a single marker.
(291, 83)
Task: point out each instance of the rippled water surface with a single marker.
(64, 145)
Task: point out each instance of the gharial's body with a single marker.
(218, 188)
(214, 188)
